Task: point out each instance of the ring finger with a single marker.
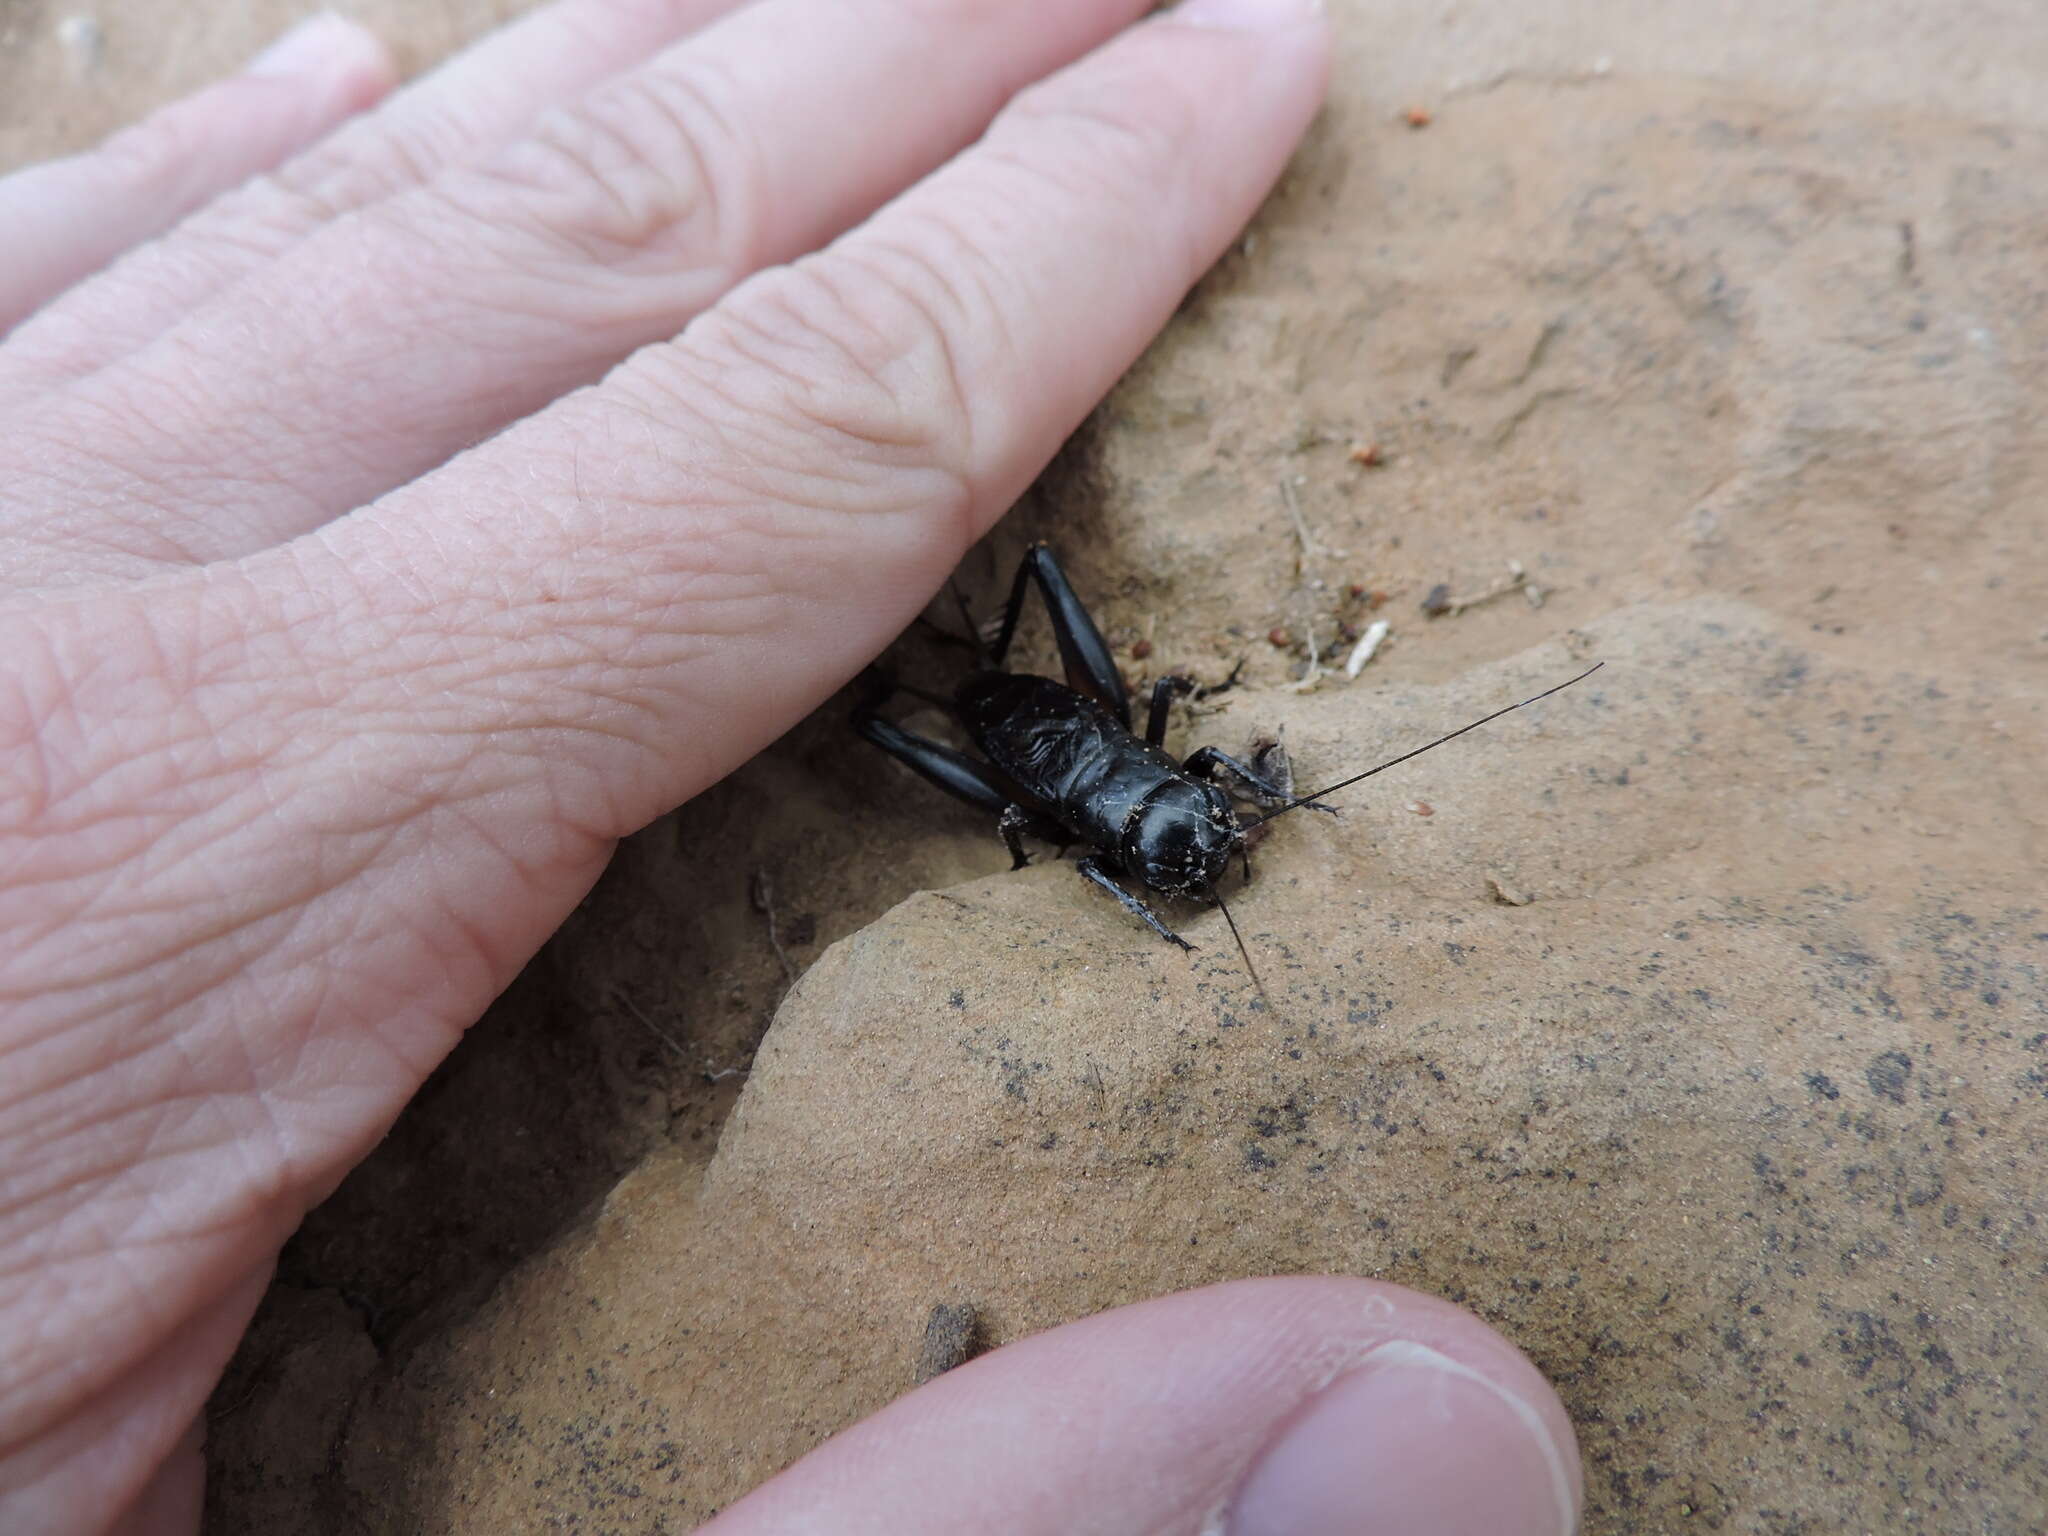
(456, 115)
(70, 217)
(417, 326)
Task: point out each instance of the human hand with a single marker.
(318, 718)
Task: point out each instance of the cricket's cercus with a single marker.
(1063, 765)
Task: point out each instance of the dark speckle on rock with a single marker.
(1887, 1074)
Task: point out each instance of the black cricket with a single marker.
(1064, 766)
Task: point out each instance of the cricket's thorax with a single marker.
(1064, 749)
(1129, 799)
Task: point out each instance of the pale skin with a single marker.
(512, 457)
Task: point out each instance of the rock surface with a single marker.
(1698, 1037)
(1733, 1126)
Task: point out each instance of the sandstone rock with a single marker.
(1734, 1129)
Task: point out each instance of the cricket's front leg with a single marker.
(1207, 763)
(1103, 873)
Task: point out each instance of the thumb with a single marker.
(1281, 1407)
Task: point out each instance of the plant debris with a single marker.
(1368, 646)
(1442, 601)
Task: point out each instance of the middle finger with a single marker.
(399, 335)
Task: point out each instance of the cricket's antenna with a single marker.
(1251, 969)
(1392, 761)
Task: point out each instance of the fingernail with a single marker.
(1247, 15)
(1410, 1440)
(319, 45)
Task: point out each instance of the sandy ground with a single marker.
(1698, 1037)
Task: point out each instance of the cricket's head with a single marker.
(1181, 838)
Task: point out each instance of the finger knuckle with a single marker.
(856, 357)
(1128, 140)
(161, 146)
(1121, 161)
(1121, 154)
(357, 167)
(644, 172)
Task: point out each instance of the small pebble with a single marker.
(1279, 635)
(84, 45)
(1439, 599)
(1140, 649)
(1417, 117)
(1421, 808)
(1507, 893)
(953, 1335)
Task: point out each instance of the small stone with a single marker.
(1507, 893)
(952, 1336)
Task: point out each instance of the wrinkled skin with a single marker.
(347, 630)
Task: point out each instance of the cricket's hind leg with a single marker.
(1084, 654)
(964, 778)
(1104, 873)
